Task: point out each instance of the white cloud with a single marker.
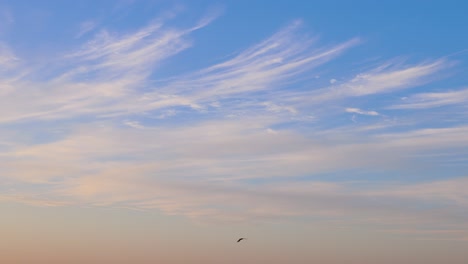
(264, 66)
(134, 124)
(140, 51)
(202, 170)
(279, 108)
(107, 75)
(212, 132)
(386, 78)
(361, 112)
(103, 78)
(435, 99)
(429, 138)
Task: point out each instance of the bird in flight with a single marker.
(240, 239)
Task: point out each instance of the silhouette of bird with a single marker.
(240, 239)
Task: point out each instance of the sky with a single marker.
(162, 131)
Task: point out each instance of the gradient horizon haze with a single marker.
(162, 131)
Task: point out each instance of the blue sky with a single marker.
(336, 113)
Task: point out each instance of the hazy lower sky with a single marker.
(162, 131)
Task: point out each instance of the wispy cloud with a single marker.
(7, 57)
(389, 77)
(440, 191)
(235, 140)
(266, 66)
(435, 99)
(204, 170)
(101, 78)
(134, 51)
(85, 28)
